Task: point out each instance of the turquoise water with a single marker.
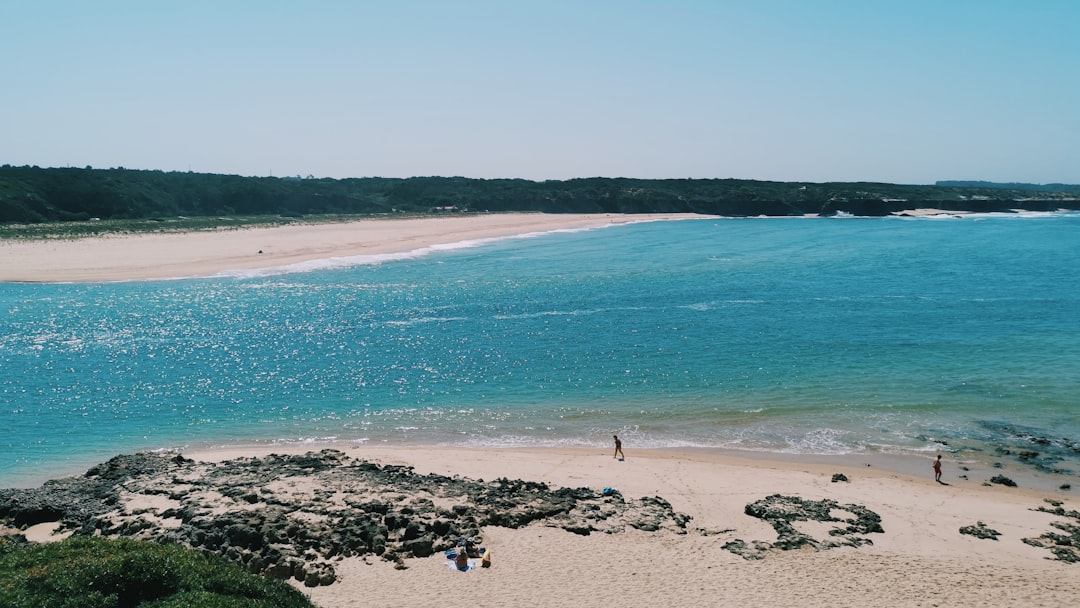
(805, 336)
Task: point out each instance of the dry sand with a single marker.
(204, 253)
(921, 559)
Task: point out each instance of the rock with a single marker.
(1064, 543)
(319, 574)
(1002, 480)
(1033, 447)
(281, 570)
(244, 536)
(292, 533)
(420, 547)
(441, 527)
(12, 540)
(839, 477)
(757, 550)
(781, 511)
(412, 531)
(979, 530)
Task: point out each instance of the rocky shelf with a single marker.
(289, 516)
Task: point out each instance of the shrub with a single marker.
(123, 573)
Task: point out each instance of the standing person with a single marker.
(618, 448)
(937, 468)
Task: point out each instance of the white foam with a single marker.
(1014, 214)
(339, 262)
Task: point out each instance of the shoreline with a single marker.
(918, 558)
(914, 468)
(208, 253)
(202, 253)
(965, 471)
(162, 256)
(966, 466)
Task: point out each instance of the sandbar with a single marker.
(167, 255)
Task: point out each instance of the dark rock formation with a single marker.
(756, 550)
(1002, 480)
(1034, 447)
(288, 516)
(781, 512)
(1064, 544)
(980, 530)
(839, 477)
(8, 540)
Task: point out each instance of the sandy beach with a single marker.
(921, 558)
(918, 557)
(205, 253)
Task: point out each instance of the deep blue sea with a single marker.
(796, 335)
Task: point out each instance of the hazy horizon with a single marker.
(534, 180)
(778, 90)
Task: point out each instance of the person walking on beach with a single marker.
(937, 468)
(618, 448)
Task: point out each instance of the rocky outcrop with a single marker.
(782, 512)
(290, 516)
(980, 530)
(1065, 542)
(77, 501)
(1002, 480)
(1033, 447)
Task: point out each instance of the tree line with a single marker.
(31, 195)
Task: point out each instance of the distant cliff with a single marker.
(31, 195)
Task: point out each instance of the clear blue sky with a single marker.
(903, 91)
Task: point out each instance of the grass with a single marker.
(76, 230)
(123, 573)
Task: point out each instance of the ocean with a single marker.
(800, 336)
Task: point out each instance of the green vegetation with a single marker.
(1008, 186)
(167, 200)
(79, 229)
(103, 573)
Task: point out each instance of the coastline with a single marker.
(132, 257)
(919, 558)
(191, 254)
(969, 468)
(207, 253)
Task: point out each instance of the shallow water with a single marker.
(801, 336)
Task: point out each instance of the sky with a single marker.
(899, 91)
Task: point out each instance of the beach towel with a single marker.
(474, 563)
(484, 561)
